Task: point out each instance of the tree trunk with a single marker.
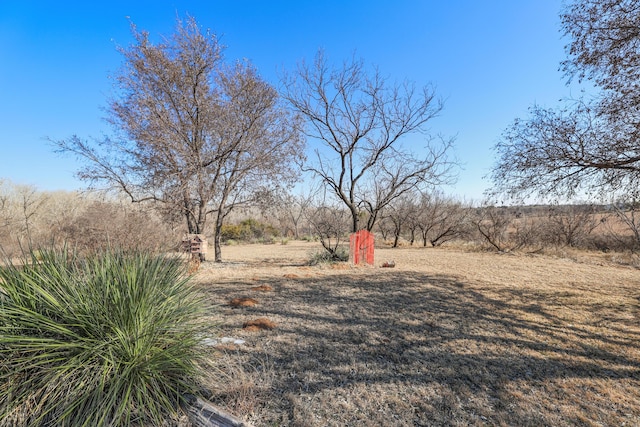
(397, 231)
(296, 233)
(396, 239)
(217, 246)
(191, 226)
(355, 221)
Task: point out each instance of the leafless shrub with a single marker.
(527, 233)
(330, 224)
(110, 223)
(398, 216)
(439, 219)
(570, 225)
(628, 214)
(491, 224)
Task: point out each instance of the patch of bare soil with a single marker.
(260, 324)
(243, 302)
(446, 337)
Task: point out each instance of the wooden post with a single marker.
(204, 414)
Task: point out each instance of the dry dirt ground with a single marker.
(446, 337)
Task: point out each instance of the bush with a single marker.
(341, 254)
(110, 339)
(249, 230)
(124, 226)
(231, 232)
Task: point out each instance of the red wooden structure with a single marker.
(361, 247)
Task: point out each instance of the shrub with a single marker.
(341, 254)
(110, 339)
(124, 226)
(249, 230)
(230, 232)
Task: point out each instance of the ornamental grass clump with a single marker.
(110, 339)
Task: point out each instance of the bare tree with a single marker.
(363, 124)
(30, 201)
(604, 48)
(628, 212)
(194, 134)
(587, 144)
(570, 225)
(7, 216)
(440, 218)
(262, 143)
(400, 214)
(288, 209)
(385, 227)
(559, 152)
(20, 209)
(449, 222)
(492, 224)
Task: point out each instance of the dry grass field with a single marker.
(446, 337)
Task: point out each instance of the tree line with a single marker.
(201, 137)
(32, 220)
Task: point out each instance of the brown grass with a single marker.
(444, 338)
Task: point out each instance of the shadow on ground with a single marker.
(397, 348)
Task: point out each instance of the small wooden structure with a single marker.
(196, 245)
(361, 247)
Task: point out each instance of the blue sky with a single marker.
(490, 60)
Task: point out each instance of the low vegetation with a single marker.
(341, 254)
(447, 337)
(108, 339)
(490, 316)
(249, 231)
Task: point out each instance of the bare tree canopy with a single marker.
(558, 152)
(362, 122)
(193, 133)
(592, 144)
(605, 43)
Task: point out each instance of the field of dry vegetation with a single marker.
(446, 337)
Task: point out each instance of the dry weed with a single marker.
(241, 382)
(445, 338)
(194, 265)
